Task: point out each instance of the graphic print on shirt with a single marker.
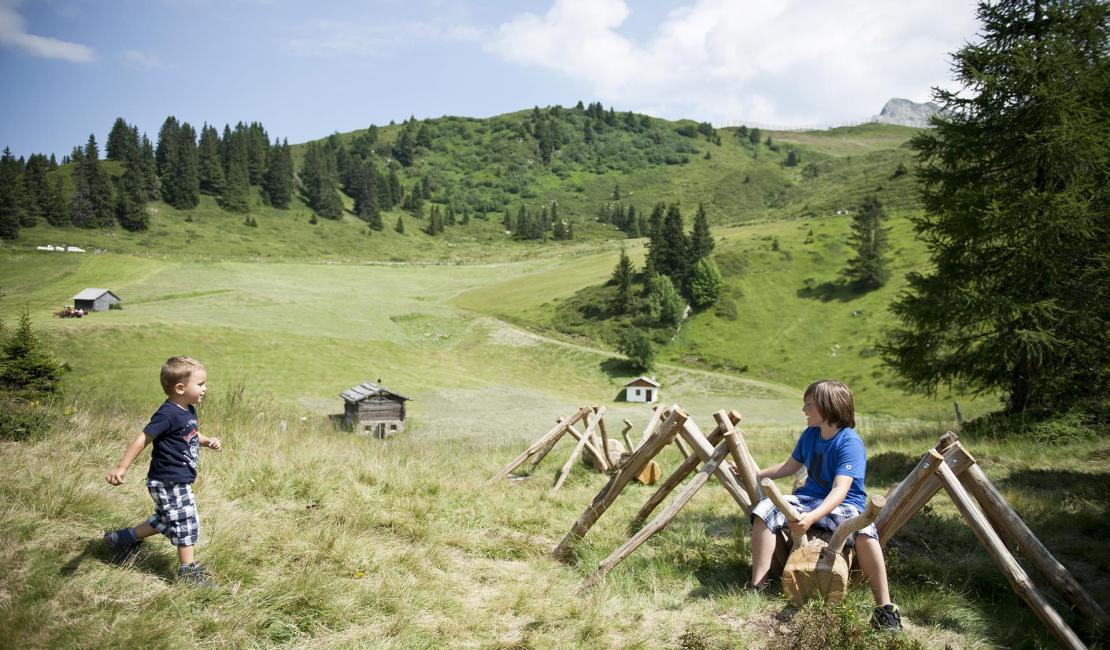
(191, 437)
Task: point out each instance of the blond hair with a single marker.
(833, 400)
(177, 370)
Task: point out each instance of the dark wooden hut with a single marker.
(373, 409)
(95, 300)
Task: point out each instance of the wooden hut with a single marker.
(370, 408)
(95, 300)
(642, 389)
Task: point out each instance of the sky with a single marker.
(305, 68)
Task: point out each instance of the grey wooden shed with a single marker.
(370, 408)
(95, 300)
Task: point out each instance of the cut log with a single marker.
(773, 493)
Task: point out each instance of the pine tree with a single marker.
(36, 188)
(25, 365)
(701, 239)
(400, 227)
(258, 152)
(622, 277)
(12, 200)
(278, 186)
(869, 238)
(57, 210)
(123, 141)
(149, 168)
(98, 186)
(1015, 180)
(210, 164)
(131, 197)
(236, 194)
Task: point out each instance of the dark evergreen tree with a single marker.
(210, 164)
(82, 212)
(403, 149)
(258, 152)
(131, 194)
(37, 189)
(149, 168)
(869, 239)
(236, 194)
(12, 199)
(622, 278)
(98, 185)
(669, 249)
(400, 227)
(1016, 191)
(277, 186)
(57, 210)
(123, 141)
(701, 239)
(25, 365)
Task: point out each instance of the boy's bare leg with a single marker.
(144, 530)
(763, 549)
(185, 554)
(871, 561)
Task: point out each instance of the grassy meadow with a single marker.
(322, 539)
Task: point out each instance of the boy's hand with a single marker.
(800, 526)
(116, 476)
(212, 443)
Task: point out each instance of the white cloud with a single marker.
(13, 33)
(334, 38)
(145, 61)
(781, 62)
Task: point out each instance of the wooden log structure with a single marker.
(563, 473)
(704, 450)
(624, 433)
(545, 441)
(741, 456)
(659, 438)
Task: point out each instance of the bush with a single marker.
(22, 419)
(1075, 425)
(637, 347)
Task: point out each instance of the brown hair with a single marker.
(176, 370)
(833, 400)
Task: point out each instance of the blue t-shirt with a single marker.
(841, 455)
(176, 444)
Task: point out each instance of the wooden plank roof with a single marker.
(369, 389)
(643, 381)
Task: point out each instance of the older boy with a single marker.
(834, 456)
(173, 468)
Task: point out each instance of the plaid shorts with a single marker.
(776, 521)
(175, 512)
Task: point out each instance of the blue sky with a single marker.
(306, 69)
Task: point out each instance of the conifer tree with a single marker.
(123, 142)
(37, 189)
(869, 238)
(278, 185)
(400, 227)
(56, 209)
(622, 277)
(210, 164)
(701, 239)
(236, 194)
(1014, 185)
(130, 208)
(82, 212)
(98, 186)
(258, 152)
(11, 196)
(25, 365)
(149, 168)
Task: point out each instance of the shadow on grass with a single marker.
(95, 549)
(890, 467)
(828, 291)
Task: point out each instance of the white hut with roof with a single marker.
(370, 408)
(642, 389)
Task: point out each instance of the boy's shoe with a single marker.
(195, 574)
(766, 587)
(118, 543)
(887, 619)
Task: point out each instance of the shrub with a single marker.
(22, 419)
(25, 365)
(637, 347)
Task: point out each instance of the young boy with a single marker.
(834, 456)
(173, 468)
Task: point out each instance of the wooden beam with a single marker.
(599, 413)
(547, 448)
(540, 443)
(624, 434)
(1014, 531)
(632, 468)
(588, 434)
(1019, 580)
(773, 493)
(703, 450)
(903, 502)
(741, 456)
(660, 522)
(570, 463)
(674, 480)
(681, 448)
(657, 415)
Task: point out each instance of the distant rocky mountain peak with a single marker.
(907, 113)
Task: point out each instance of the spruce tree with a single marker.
(12, 196)
(236, 195)
(36, 189)
(869, 238)
(123, 142)
(25, 365)
(278, 183)
(57, 209)
(149, 169)
(622, 277)
(210, 165)
(701, 239)
(638, 349)
(98, 185)
(1015, 180)
(400, 227)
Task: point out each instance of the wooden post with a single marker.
(554, 434)
(671, 483)
(624, 434)
(745, 464)
(547, 448)
(570, 463)
(656, 416)
(1013, 530)
(632, 468)
(599, 413)
(703, 450)
(875, 505)
(903, 502)
(1019, 580)
(588, 434)
(772, 491)
(681, 448)
(660, 522)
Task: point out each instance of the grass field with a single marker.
(322, 539)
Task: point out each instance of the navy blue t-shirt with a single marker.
(176, 440)
(841, 455)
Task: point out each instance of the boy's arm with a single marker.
(836, 495)
(211, 443)
(786, 468)
(116, 476)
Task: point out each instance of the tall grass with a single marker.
(320, 538)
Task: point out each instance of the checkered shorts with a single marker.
(175, 512)
(776, 521)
